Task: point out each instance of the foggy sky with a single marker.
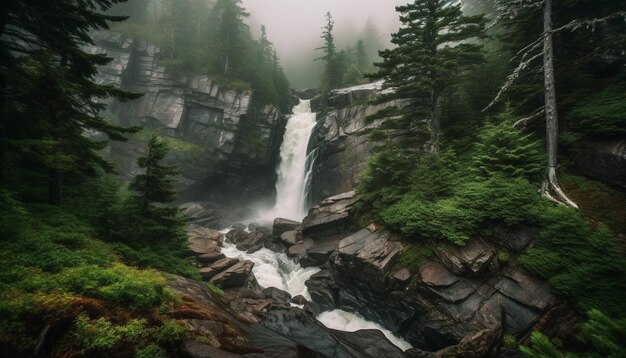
(295, 25)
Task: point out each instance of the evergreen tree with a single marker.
(49, 98)
(152, 189)
(333, 62)
(362, 61)
(228, 36)
(432, 51)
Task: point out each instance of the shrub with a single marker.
(151, 351)
(215, 289)
(170, 331)
(413, 257)
(506, 151)
(101, 334)
(121, 284)
(578, 261)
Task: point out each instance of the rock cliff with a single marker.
(340, 140)
(226, 143)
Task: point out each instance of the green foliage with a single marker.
(578, 261)
(141, 289)
(170, 331)
(602, 114)
(541, 347)
(509, 341)
(434, 46)
(603, 337)
(175, 144)
(215, 289)
(414, 256)
(151, 351)
(101, 334)
(504, 150)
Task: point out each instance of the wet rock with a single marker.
(276, 294)
(471, 259)
(201, 245)
(434, 274)
(235, 276)
(331, 217)
(255, 240)
(299, 300)
(207, 273)
(312, 308)
(299, 250)
(374, 249)
(194, 349)
(525, 289)
(282, 225)
(321, 289)
(320, 251)
(403, 275)
(480, 344)
(290, 238)
(210, 257)
(237, 236)
(210, 330)
(221, 265)
(306, 331)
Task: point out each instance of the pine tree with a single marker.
(153, 189)
(332, 76)
(432, 51)
(228, 36)
(49, 98)
(362, 61)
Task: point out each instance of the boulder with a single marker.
(331, 217)
(299, 250)
(207, 273)
(235, 276)
(237, 236)
(276, 294)
(239, 226)
(201, 245)
(254, 241)
(402, 275)
(289, 238)
(379, 250)
(282, 225)
(223, 264)
(210, 257)
(299, 300)
(321, 288)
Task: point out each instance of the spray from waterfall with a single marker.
(294, 168)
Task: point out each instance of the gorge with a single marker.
(169, 189)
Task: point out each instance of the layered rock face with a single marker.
(340, 140)
(226, 144)
(451, 298)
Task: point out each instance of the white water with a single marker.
(350, 322)
(273, 269)
(290, 186)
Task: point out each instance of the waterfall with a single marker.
(293, 170)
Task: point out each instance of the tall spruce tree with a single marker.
(228, 36)
(153, 188)
(49, 98)
(332, 76)
(432, 49)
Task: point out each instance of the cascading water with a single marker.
(273, 269)
(290, 186)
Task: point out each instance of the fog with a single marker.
(294, 26)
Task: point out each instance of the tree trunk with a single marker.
(55, 187)
(551, 189)
(435, 125)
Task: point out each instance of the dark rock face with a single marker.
(235, 276)
(604, 160)
(457, 301)
(330, 218)
(218, 164)
(282, 225)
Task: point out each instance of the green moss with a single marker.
(509, 341)
(215, 289)
(414, 256)
(101, 334)
(151, 351)
(503, 256)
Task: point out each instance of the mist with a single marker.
(294, 26)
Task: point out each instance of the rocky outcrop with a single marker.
(459, 299)
(340, 141)
(604, 160)
(211, 124)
